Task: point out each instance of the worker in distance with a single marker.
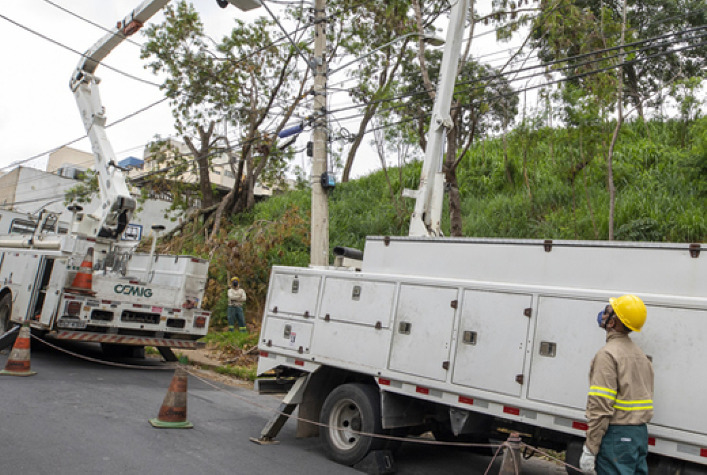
(236, 299)
(620, 399)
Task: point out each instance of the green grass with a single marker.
(224, 340)
(240, 372)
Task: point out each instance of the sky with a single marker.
(39, 112)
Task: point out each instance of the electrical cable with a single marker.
(101, 27)
(37, 156)
(122, 119)
(545, 65)
(83, 55)
(427, 115)
(496, 97)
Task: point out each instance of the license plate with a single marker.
(80, 324)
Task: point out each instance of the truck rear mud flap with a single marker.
(125, 339)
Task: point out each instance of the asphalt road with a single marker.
(81, 417)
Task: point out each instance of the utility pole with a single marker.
(319, 252)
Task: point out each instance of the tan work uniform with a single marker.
(236, 297)
(621, 388)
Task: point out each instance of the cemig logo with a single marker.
(132, 290)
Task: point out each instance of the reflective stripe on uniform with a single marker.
(639, 405)
(602, 392)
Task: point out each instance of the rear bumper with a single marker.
(124, 339)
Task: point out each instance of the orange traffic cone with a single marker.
(83, 282)
(18, 363)
(173, 413)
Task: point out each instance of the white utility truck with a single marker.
(87, 284)
(463, 337)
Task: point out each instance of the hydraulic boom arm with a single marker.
(116, 207)
(425, 220)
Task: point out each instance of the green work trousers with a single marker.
(623, 451)
(236, 313)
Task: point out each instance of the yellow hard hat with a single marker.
(631, 311)
(235, 279)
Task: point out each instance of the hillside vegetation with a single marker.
(542, 184)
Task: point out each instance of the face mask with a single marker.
(608, 311)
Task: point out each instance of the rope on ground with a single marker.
(498, 450)
(104, 362)
(554, 459)
(498, 447)
(320, 424)
(170, 367)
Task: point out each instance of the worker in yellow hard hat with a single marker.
(236, 299)
(620, 399)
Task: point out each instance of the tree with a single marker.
(665, 25)
(250, 82)
(593, 49)
(381, 34)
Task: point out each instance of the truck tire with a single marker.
(350, 409)
(663, 465)
(572, 455)
(5, 312)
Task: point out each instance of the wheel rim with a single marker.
(345, 424)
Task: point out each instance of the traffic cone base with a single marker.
(18, 364)
(173, 413)
(170, 425)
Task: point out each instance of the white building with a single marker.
(28, 191)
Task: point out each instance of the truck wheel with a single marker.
(5, 313)
(663, 465)
(573, 454)
(350, 409)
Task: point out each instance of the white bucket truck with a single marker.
(87, 284)
(462, 337)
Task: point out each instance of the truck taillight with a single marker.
(73, 308)
(199, 322)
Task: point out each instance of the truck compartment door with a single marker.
(422, 332)
(355, 311)
(293, 294)
(492, 341)
(24, 268)
(566, 338)
(289, 334)
(44, 296)
(674, 340)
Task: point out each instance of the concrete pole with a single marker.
(319, 252)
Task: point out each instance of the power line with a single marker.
(549, 83)
(122, 119)
(543, 66)
(37, 156)
(83, 55)
(101, 27)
